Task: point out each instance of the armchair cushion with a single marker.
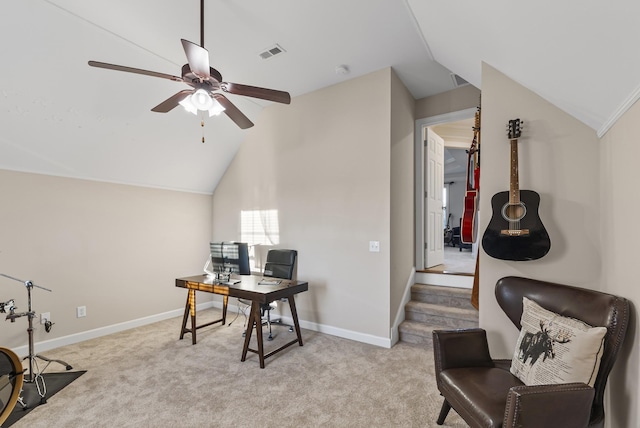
(554, 349)
(478, 393)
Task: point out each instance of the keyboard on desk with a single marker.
(269, 282)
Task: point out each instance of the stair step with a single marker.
(418, 333)
(433, 314)
(447, 296)
(434, 307)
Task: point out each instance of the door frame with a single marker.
(419, 179)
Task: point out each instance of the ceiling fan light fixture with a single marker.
(216, 108)
(188, 105)
(201, 100)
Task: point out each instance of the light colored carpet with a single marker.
(147, 377)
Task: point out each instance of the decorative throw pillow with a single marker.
(554, 349)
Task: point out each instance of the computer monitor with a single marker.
(230, 257)
(217, 258)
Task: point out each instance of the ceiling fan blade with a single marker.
(134, 70)
(171, 102)
(232, 111)
(198, 58)
(255, 92)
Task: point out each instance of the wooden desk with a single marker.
(250, 289)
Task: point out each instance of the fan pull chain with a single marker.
(202, 125)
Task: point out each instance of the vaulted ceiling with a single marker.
(62, 117)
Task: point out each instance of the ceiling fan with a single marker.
(205, 82)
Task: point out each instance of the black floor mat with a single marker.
(54, 383)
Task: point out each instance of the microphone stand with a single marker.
(33, 377)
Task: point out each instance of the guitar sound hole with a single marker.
(514, 212)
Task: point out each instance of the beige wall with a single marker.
(458, 99)
(619, 154)
(324, 163)
(113, 248)
(402, 193)
(559, 160)
(587, 196)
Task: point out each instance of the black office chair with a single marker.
(279, 264)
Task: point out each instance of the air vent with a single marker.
(458, 81)
(271, 52)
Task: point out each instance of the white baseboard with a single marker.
(334, 331)
(383, 342)
(400, 314)
(45, 345)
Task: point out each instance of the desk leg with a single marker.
(192, 302)
(189, 309)
(255, 308)
(225, 301)
(247, 335)
(294, 315)
(185, 316)
(254, 320)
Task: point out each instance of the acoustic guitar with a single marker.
(515, 231)
(469, 228)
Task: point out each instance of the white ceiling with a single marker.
(62, 117)
(579, 55)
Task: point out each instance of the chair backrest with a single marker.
(592, 307)
(280, 263)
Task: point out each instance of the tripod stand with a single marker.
(34, 377)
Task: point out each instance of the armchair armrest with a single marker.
(461, 348)
(563, 405)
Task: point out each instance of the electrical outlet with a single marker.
(374, 246)
(81, 311)
(44, 317)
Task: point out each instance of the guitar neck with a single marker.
(473, 162)
(514, 186)
(476, 136)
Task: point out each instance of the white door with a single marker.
(433, 203)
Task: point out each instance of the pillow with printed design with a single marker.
(553, 349)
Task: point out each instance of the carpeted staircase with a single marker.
(436, 308)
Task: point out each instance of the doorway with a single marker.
(456, 130)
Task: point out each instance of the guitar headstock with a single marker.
(514, 129)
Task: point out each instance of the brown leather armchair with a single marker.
(484, 392)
